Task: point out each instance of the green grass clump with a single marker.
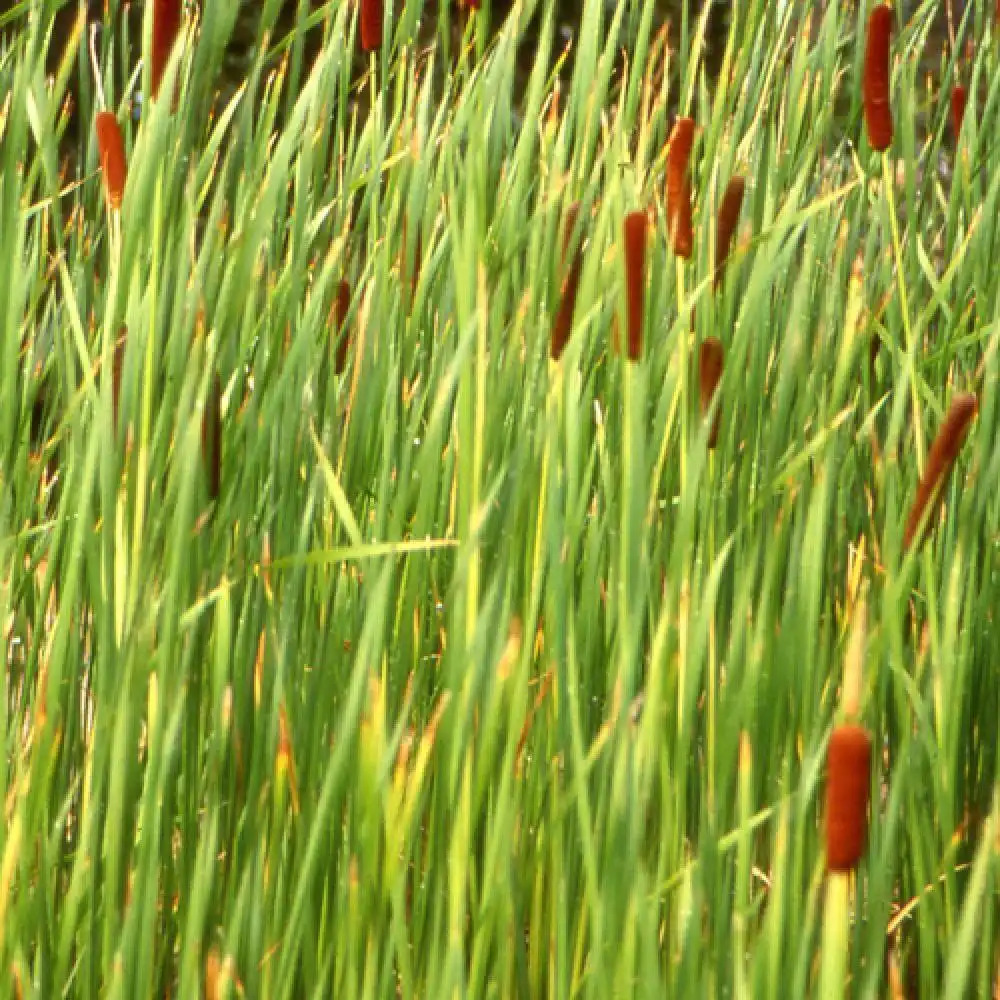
(360, 643)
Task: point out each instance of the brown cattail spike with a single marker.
(211, 436)
(875, 84)
(166, 27)
(571, 283)
(710, 361)
(942, 457)
(679, 226)
(371, 24)
(729, 217)
(111, 150)
(342, 306)
(959, 96)
(848, 780)
(635, 279)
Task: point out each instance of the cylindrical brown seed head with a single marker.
(166, 26)
(342, 305)
(679, 223)
(371, 24)
(572, 240)
(635, 279)
(875, 82)
(940, 460)
(959, 97)
(111, 151)
(729, 217)
(710, 362)
(848, 782)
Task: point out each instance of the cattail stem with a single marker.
(835, 942)
(875, 82)
(940, 461)
(679, 223)
(902, 287)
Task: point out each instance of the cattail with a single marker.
(371, 24)
(166, 27)
(710, 361)
(959, 96)
(875, 89)
(729, 217)
(942, 457)
(341, 306)
(679, 188)
(848, 766)
(571, 285)
(211, 436)
(111, 150)
(635, 279)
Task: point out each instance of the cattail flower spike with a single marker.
(847, 792)
(875, 81)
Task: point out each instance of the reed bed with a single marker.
(358, 649)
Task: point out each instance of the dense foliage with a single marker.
(365, 641)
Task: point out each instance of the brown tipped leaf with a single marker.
(710, 363)
(571, 284)
(679, 225)
(635, 279)
(166, 27)
(942, 457)
(729, 217)
(875, 82)
(848, 780)
(111, 151)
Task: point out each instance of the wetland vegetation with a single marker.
(509, 512)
